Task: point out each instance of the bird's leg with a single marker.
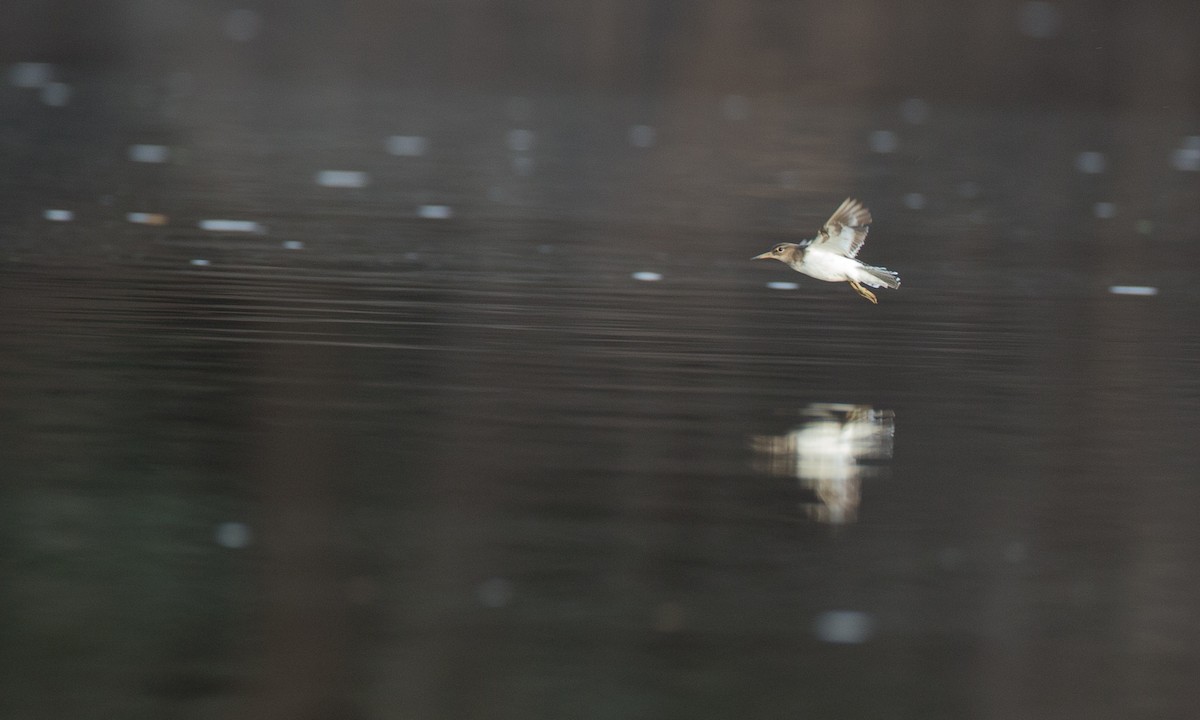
(864, 292)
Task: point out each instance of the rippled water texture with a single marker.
(355, 401)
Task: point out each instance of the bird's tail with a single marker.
(880, 277)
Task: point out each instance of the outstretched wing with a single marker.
(846, 230)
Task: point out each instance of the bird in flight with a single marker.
(830, 255)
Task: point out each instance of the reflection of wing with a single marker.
(825, 454)
(846, 230)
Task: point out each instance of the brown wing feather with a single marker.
(846, 229)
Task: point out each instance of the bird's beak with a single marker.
(764, 256)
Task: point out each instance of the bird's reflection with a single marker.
(826, 453)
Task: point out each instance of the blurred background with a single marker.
(405, 360)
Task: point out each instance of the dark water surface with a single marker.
(365, 463)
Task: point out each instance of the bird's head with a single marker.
(787, 253)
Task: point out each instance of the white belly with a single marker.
(829, 267)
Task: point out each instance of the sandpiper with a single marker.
(830, 255)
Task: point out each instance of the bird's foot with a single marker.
(864, 292)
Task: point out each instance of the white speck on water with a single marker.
(1144, 227)
(200, 262)
(883, 141)
(844, 627)
(642, 136)
(783, 285)
(968, 190)
(647, 276)
(435, 212)
(293, 245)
(1144, 290)
(342, 178)
(149, 153)
(521, 140)
(915, 111)
(244, 226)
(233, 535)
(145, 218)
(59, 215)
(1104, 210)
(242, 24)
(522, 166)
(914, 201)
(1040, 20)
(735, 107)
(1091, 162)
(407, 145)
(1186, 159)
(56, 94)
(30, 74)
(495, 592)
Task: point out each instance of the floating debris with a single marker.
(1144, 290)
(435, 212)
(844, 627)
(407, 145)
(59, 215)
(243, 226)
(143, 218)
(149, 153)
(200, 262)
(293, 245)
(1186, 158)
(1091, 162)
(783, 285)
(233, 535)
(30, 74)
(647, 276)
(342, 178)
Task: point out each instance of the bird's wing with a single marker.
(846, 230)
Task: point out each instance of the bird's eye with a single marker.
(778, 249)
